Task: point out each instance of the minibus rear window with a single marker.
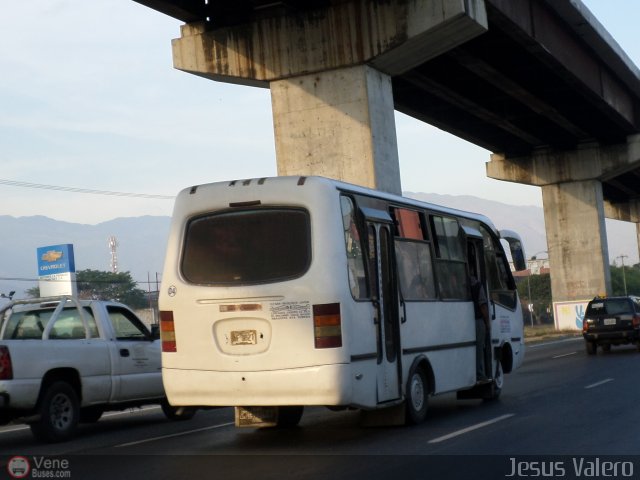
(247, 246)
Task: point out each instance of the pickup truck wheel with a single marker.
(59, 411)
(177, 413)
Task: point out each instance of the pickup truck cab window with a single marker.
(30, 325)
(69, 325)
(126, 325)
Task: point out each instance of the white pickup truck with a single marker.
(65, 361)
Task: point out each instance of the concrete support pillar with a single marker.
(574, 209)
(338, 124)
(576, 240)
(329, 70)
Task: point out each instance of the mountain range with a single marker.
(142, 240)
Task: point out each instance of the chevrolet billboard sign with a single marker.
(56, 270)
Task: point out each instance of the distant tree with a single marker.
(33, 292)
(536, 290)
(99, 285)
(631, 277)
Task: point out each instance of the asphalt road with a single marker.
(561, 402)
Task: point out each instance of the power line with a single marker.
(15, 183)
(23, 279)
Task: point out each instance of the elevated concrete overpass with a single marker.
(538, 82)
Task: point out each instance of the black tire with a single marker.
(59, 410)
(417, 397)
(5, 418)
(289, 416)
(592, 347)
(497, 382)
(90, 414)
(177, 413)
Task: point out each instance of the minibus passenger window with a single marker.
(415, 270)
(355, 258)
(451, 265)
(408, 223)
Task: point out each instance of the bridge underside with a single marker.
(538, 82)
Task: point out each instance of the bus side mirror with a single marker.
(516, 248)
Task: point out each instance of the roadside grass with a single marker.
(539, 333)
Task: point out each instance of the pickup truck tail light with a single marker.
(636, 321)
(6, 370)
(587, 324)
(327, 325)
(167, 331)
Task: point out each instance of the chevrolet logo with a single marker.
(51, 256)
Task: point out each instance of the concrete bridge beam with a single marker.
(329, 71)
(574, 209)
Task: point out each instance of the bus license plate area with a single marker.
(244, 337)
(609, 321)
(256, 416)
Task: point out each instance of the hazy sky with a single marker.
(89, 99)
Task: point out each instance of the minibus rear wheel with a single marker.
(289, 416)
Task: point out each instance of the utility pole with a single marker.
(113, 248)
(624, 276)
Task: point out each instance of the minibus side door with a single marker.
(384, 292)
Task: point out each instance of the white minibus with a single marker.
(285, 292)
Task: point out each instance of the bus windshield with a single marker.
(247, 246)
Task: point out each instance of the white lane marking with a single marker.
(597, 384)
(471, 428)
(565, 355)
(13, 429)
(133, 410)
(153, 439)
(553, 342)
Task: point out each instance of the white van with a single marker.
(283, 292)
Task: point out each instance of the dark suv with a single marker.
(611, 321)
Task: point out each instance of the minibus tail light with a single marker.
(167, 331)
(6, 369)
(327, 325)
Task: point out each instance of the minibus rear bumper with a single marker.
(315, 385)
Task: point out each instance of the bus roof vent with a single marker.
(301, 181)
(193, 190)
(261, 181)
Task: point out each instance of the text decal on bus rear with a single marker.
(290, 310)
